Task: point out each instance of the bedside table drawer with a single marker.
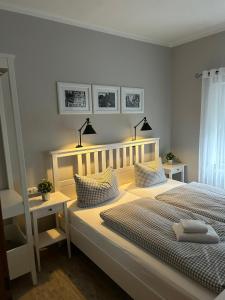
(43, 212)
(177, 170)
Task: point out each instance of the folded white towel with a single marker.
(194, 226)
(210, 237)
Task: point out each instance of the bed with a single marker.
(139, 273)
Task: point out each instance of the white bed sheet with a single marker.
(146, 267)
(152, 191)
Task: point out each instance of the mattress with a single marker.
(149, 269)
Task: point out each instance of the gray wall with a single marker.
(47, 52)
(188, 59)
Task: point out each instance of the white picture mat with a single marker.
(127, 90)
(106, 89)
(62, 87)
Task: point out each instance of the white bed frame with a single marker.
(93, 160)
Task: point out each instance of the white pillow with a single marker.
(148, 175)
(94, 191)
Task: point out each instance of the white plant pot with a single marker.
(46, 196)
(170, 162)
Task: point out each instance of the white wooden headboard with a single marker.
(95, 159)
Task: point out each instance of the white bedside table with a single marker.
(38, 209)
(174, 169)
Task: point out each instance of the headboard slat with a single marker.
(103, 160)
(137, 153)
(124, 157)
(111, 158)
(88, 163)
(142, 153)
(117, 158)
(55, 167)
(131, 155)
(79, 164)
(96, 164)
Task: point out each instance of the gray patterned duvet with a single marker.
(198, 198)
(148, 223)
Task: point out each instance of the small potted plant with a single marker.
(170, 157)
(45, 187)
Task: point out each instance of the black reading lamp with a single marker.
(144, 127)
(88, 130)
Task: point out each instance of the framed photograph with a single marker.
(132, 100)
(74, 98)
(106, 99)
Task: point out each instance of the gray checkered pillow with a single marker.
(148, 175)
(94, 191)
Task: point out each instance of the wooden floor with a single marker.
(64, 279)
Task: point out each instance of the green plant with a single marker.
(170, 156)
(45, 186)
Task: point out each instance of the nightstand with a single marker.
(174, 169)
(39, 209)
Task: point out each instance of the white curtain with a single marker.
(212, 129)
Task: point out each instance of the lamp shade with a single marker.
(146, 126)
(89, 129)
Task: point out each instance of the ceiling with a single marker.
(164, 22)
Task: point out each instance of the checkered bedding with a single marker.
(148, 175)
(95, 191)
(148, 223)
(198, 198)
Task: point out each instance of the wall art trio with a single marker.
(75, 98)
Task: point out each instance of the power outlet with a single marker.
(32, 190)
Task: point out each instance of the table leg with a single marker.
(36, 242)
(57, 220)
(34, 276)
(182, 175)
(67, 229)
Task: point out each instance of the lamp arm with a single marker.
(135, 132)
(86, 122)
(140, 122)
(79, 138)
(79, 130)
(135, 127)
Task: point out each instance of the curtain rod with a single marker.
(199, 75)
